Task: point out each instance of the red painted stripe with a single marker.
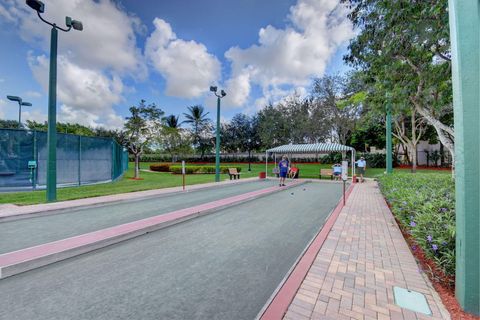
(279, 305)
(55, 247)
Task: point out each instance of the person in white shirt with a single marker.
(362, 166)
(337, 171)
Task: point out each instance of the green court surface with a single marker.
(30, 232)
(224, 265)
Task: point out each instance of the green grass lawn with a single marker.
(157, 180)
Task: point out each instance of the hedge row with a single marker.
(189, 169)
(374, 160)
(160, 167)
(194, 159)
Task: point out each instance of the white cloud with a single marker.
(291, 56)
(33, 94)
(34, 115)
(238, 89)
(91, 63)
(5, 14)
(187, 66)
(87, 94)
(107, 41)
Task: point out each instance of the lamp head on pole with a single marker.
(27, 104)
(75, 24)
(14, 98)
(36, 5)
(223, 93)
(213, 89)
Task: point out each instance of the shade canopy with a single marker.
(311, 148)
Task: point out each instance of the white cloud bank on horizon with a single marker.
(290, 56)
(187, 67)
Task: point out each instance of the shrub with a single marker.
(189, 169)
(160, 167)
(424, 204)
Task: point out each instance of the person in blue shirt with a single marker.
(284, 167)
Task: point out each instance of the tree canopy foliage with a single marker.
(403, 49)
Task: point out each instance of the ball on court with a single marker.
(291, 193)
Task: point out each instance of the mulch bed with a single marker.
(135, 178)
(405, 166)
(443, 284)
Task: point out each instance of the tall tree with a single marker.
(8, 124)
(404, 48)
(141, 127)
(341, 102)
(241, 134)
(273, 125)
(201, 128)
(171, 121)
(174, 139)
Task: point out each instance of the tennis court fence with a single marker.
(80, 159)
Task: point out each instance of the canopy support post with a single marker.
(266, 164)
(353, 164)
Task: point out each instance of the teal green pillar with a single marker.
(52, 121)
(464, 31)
(388, 135)
(217, 144)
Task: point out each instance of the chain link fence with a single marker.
(80, 159)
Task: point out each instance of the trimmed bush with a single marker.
(160, 167)
(424, 204)
(189, 169)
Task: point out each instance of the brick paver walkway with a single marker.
(363, 258)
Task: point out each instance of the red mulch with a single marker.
(135, 178)
(406, 166)
(443, 284)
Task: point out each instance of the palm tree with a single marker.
(172, 121)
(197, 117)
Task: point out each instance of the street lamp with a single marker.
(217, 141)
(20, 104)
(39, 7)
(249, 157)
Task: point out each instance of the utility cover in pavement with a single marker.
(411, 300)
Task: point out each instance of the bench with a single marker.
(326, 172)
(233, 173)
(276, 171)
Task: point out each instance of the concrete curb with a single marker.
(34, 257)
(12, 212)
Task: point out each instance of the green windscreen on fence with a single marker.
(80, 159)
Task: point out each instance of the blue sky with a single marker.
(169, 53)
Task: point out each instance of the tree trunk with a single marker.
(441, 154)
(413, 150)
(137, 166)
(414, 144)
(445, 133)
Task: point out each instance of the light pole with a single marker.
(39, 7)
(388, 128)
(464, 31)
(249, 158)
(20, 104)
(217, 140)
